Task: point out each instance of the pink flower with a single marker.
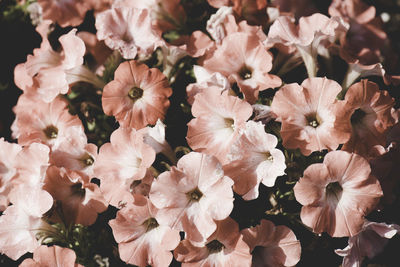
(47, 73)
(79, 199)
(128, 30)
(20, 222)
(137, 96)
(337, 194)
(311, 115)
(367, 243)
(64, 12)
(121, 163)
(45, 256)
(192, 195)
(254, 160)
(372, 115)
(272, 245)
(48, 123)
(225, 247)
(243, 59)
(306, 35)
(142, 238)
(218, 120)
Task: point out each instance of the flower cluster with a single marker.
(174, 116)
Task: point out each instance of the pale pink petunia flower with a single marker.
(243, 59)
(254, 159)
(128, 30)
(142, 238)
(122, 162)
(48, 123)
(8, 153)
(20, 222)
(367, 243)
(225, 247)
(337, 194)
(48, 73)
(80, 200)
(217, 123)
(137, 96)
(53, 256)
(371, 114)
(272, 245)
(192, 195)
(311, 116)
(307, 35)
(64, 12)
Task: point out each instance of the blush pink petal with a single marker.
(337, 194)
(53, 256)
(314, 101)
(218, 120)
(138, 244)
(254, 160)
(64, 12)
(143, 110)
(172, 193)
(121, 162)
(272, 245)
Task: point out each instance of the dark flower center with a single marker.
(51, 132)
(150, 224)
(87, 160)
(135, 93)
(194, 195)
(357, 116)
(134, 184)
(77, 190)
(230, 123)
(214, 246)
(334, 190)
(269, 156)
(245, 72)
(313, 120)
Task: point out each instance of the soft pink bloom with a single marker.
(48, 73)
(217, 123)
(367, 243)
(311, 115)
(75, 157)
(372, 115)
(307, 36)
(64, 12)
(225, 247)
(142, 238)
(8, 154)
(272, 245)
(254, 160)
(20, 222)
(137, 96)
(243, 59)
(128, 30)
(80, 200)
(53, 256)
(206, 80)
(337, 194)
(122, 162)
(48, 123)
(192, 195)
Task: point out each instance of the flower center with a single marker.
(77, 190)
(334, 190)
(357, 116)
(313, 120)
(87, 160)
(135, 93)
(245, 72)
(51, 132)
(269, 156)
(214, 246)
(230, 123)
(150, 224)
(194, 195)
(134, 184)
